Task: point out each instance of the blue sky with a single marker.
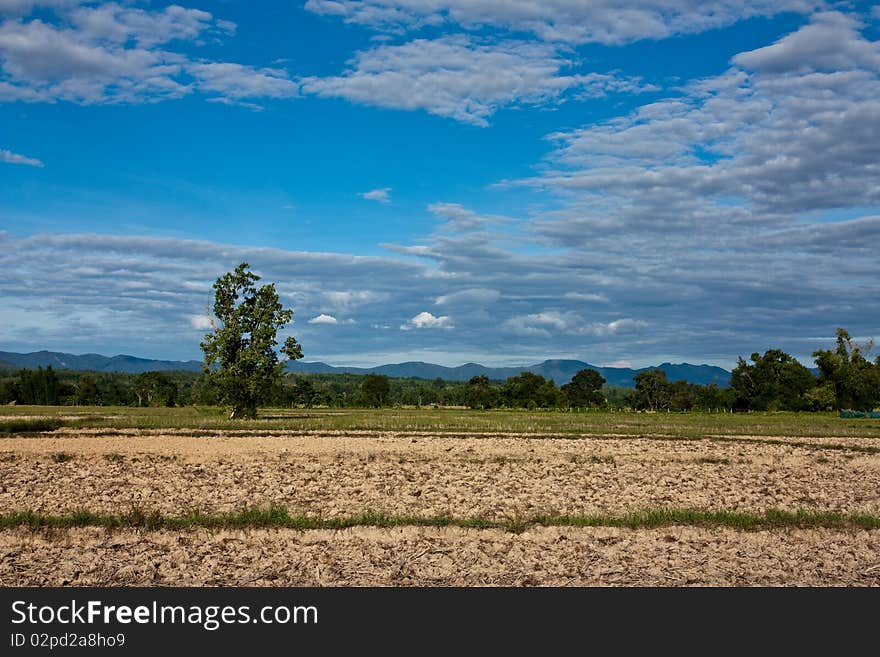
(444, 180)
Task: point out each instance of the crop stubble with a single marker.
(406, 473)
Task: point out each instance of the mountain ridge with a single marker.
(560, 370)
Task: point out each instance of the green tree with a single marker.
(154, 389)
(772, 382)
(304, 392)
(480, 393)
(652, 390)
(242, 344)
(682, 395)
(87, 393)
(584, 389)
(530, 390)
(854, 379)
(40, 386)
(821, 398)
(375, 389)
(710, 397)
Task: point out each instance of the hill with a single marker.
(560, 371)
(95, 362)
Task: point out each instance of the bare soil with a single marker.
(405, 473)
(673, 556)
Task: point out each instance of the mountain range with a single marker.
(561, 371)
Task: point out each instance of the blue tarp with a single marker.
(848, 415)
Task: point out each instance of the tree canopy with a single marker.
(585, 389)
(772, 382)
(848, 372)
(240, 356)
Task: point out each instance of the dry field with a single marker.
(507, 480)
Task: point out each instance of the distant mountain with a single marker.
(95, 362)
(561, 371)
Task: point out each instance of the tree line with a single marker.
(846, 378)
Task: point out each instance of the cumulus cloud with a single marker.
(548, 323)
(612, 22)
(382, 195)
(323, 319)
(625, 325)
(831, 42)
(200, 322)
(455, 217)
(14, 158)
(701, 299)
(540, 324)
(235, 81)
(115, 53)
(115, 23)
(738, 149)
(425, 320)
(347, 300)
(462, 77)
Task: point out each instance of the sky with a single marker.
(498, 181)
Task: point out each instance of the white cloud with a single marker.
(323, 319)
(462, 77)
(381, 195)
(115, 53)
(458, 218)
(739, 149)
(470, 296)
(625, 325)
(425, 320)
(235, 81)
(45, 63)
(200, 322)
(14, 158)
(114, 23)
(830, 42)
(610, 22)
(348, 299)
(541, 324)
(585, 296)
(547, 323)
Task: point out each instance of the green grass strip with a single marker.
(39, 425)
(280, 517)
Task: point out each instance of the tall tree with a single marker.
(847, 370)
(530, 390)
(154, 389)
(480, 393)
(242, 344)
(375, 389)
(585, 389)
(87, 392)
(772, 382)
(652, 390)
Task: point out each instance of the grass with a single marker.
(204, 420)
(19, 426)
(280, 517)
